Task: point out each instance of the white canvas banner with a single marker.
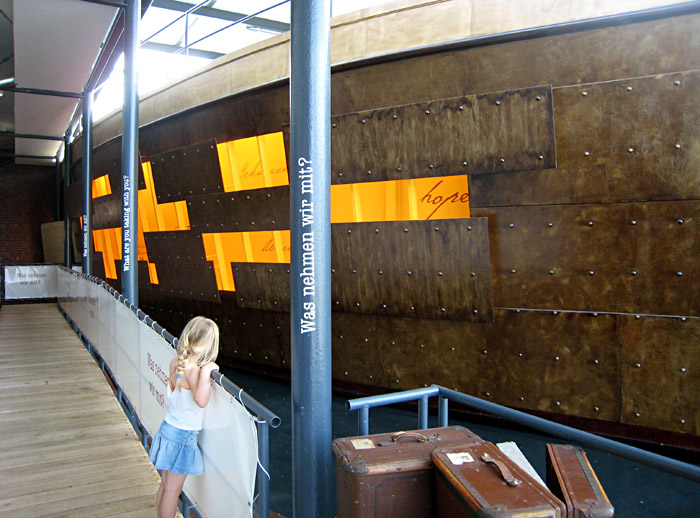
(30, 282)
(156, 354)
(127, 353)
(107, 329)
(92, 312)
(229, 447)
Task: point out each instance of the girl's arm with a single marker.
(201, 390)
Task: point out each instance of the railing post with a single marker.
(363, 421)
(66, 183)
(423, 413)
(264, 468)
(87, 183)
(443, 411)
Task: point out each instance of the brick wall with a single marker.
(27, 199)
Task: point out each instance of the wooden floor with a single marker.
(66, 447)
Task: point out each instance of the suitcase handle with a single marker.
(503, 469)
(400, 435)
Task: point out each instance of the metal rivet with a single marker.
(440, 274)
(473, 274)
(394, 116)
(369, 172)
(349, 231)
(638, 365)
(683, 369)
(461, 107)
(522, 398)
(431, 166)
(551, 272)
(597, 409)
(437, 229)
(410, 272)
(630, 150)
(511, 225)
(413, 308)
(485, 351)
(357, 304)
(469, 227)
(556, 358)
(520, 354)
(421, 346)
(637, 316)
(683, 319)
(634, 272)
(363, 121)
(488, 394)
(550, 224)
(399, 169)
(681, 221)
(680, 274)
(540, 157)
(677, 83)
(340, 174)
(453, 348)
(591, 272)
(538, 98)
(381, 272)
(465, 163)
(384, 306)
(558, 403)
(590, 223)
(443, 309)
(629, 88)
(427, 112)
(405, 230)
(498, 103)
(376, 231)
(354, 271)
(513, 270)
(335, 125)
(332, 270)
(584, 93)
(502, 160)
(476, 311)
(682, 421)
(637, 414)
(634, 221)
(586, 153)
(596, 362)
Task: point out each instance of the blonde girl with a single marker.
(174, 450)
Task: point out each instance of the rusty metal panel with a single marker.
(627, 257)
(425, 269)
(660, 374)
(257, 209)
(187, 171)
(188, 281)
(176, 247)
(107, 212)
(616, 141)
(262, 285)
(485, 133)
(561, 363)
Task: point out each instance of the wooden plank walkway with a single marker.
(67, 448)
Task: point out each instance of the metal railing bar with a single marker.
(183, 15)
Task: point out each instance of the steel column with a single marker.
(313, 473)
(87, 183)
(59, 187)
(66, 183)
(130, 140)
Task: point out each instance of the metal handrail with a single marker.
(660, 462)
(265, 418)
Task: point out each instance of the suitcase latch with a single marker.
(503, 469)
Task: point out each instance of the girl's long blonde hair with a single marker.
(201, 337)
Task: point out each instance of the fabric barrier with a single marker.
(138, 358)
(30, 282)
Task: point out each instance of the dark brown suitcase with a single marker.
(478, 480)
(391, 474)
(570, 477)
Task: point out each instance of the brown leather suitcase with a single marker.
(391, 474)
(571, 478)
(478, 480)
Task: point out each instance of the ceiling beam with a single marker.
(164, 47)
(26, 135)
(39, 91)
(220, 14)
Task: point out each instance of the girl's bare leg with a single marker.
(168, 493)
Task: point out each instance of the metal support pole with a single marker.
(363, 421)
(66, 183)
(264, 460)
(87, 183)
(313, 473)
(130, 140)
(443, 411)
(59, 191)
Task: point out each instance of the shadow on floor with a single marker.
(635, 490)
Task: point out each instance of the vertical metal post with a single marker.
(313, 472)
(87, 182)
(363, 421)
(264, 460)
(59, 190)
(423, 413)
(130, 138)
(443, 411)
(66, 183)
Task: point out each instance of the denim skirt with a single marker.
(176, 450)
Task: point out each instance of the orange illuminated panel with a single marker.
(108, 241)
(101, 187)
(253, 163)
(222, 249)
(418, 199)
(161, 217)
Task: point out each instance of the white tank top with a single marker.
(184, 413)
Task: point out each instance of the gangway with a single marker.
(67, 448)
